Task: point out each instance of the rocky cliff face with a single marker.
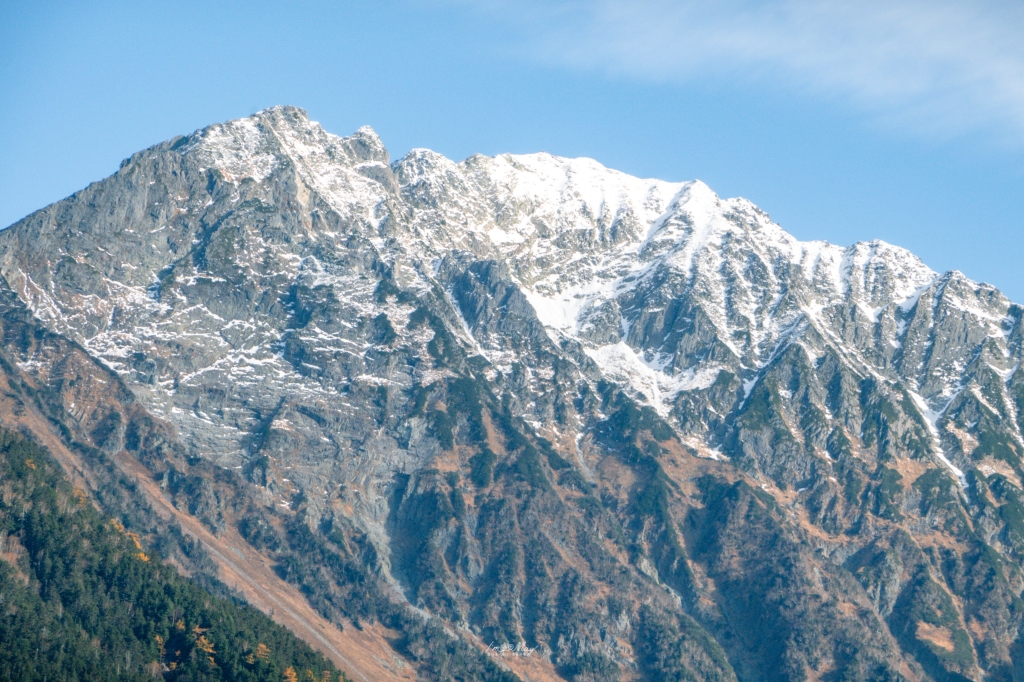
(532, 401)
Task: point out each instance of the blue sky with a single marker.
(899, 120)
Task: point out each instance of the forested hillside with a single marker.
(82, 599)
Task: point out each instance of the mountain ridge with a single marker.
(391, 352)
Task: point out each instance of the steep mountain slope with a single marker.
(84, 601)
(626, 423)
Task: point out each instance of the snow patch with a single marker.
(931, 419)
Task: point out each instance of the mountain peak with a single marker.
(253, 147)
(293, 122)
(282, 111)
(367, 145)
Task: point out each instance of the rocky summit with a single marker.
(526, 417)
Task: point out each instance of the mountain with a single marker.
(438, 410)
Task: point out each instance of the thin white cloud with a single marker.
(940, 66)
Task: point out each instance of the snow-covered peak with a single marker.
(567, 223)
(537, 211)
(573, 185)
(880, 273)
(423, 173)
(254, 147)
(239, 149)
(369, 133)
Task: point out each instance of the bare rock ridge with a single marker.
(632, 427)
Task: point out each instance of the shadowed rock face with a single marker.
(626, 423)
